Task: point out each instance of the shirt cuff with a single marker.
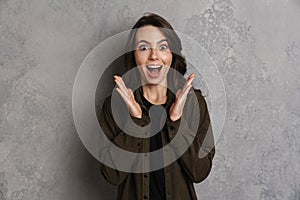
(137, 126)
(145, 120)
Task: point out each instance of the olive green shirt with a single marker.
(191, 167)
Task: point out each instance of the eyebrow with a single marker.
(160, 41)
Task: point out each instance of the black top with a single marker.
(157, 178)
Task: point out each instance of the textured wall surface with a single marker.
(255, 44)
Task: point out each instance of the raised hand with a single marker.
(128, 97)
(181, 95)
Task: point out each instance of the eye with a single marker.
(163, 47)
(143, 47)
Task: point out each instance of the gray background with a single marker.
(256, 45)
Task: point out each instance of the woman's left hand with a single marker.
(181, 95)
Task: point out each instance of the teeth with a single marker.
(153, 66)
(154, 69)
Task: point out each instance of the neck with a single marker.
(155, 94)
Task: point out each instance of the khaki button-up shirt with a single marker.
(180, 175)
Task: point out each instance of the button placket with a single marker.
(145, 176)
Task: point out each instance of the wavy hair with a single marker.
(178, 60)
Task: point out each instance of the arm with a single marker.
(118, 138)
(197, 159)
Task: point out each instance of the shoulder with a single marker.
(199, 102)
(114, 108)
(110, 101)
(109, 106)
(199, 96)
(107, 101)
(106, 106)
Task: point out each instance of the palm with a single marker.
(128, 97)
(181, 95)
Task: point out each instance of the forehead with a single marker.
(149, 33)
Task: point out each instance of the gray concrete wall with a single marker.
(255, 44)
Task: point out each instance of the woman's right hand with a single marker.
(128, 97)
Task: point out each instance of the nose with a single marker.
(153, 54)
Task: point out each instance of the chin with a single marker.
(156, 81)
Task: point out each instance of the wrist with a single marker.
(137, 113)
(139, 116)
(175, 117)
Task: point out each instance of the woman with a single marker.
(155, 51)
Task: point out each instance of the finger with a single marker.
(188, 81)
(191, 78)
(121, 86)
(178, 93)
(187, 88)
(124, 93)
(192, 75)
(124, 97)
(131, 95)
(186, 91)
(118, 80)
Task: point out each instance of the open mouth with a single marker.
(154, 69)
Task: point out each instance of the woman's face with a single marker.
(152, 55)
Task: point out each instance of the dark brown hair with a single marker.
(178, 60)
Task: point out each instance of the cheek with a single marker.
(140, 58)
(168, 59)
(142, 71)
(136, 58)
